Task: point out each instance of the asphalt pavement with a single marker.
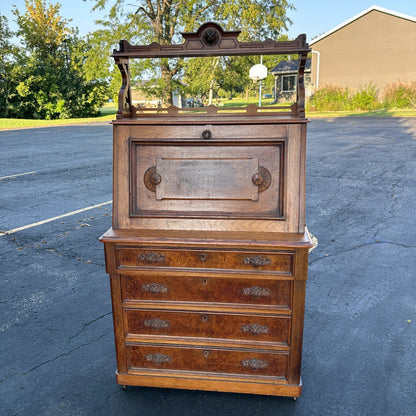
(56, 339)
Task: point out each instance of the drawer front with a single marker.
(280, 263)
(208, 325)
(207, 289)
(208, 360)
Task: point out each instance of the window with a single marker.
(288, 83)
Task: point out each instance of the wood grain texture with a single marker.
(268, 261)
(210, 360)
(207, 288)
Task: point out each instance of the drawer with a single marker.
(254, 363)
(208, 325)
(279, 263)
(148, 287)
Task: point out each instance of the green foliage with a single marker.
(7, 53)
(400, 95)
(161, 21)
(365, 98)
(45, 78)
(336, 98)
(330, 98)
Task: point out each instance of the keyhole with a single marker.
(203, 256)
(204, 282)
(206, 353)
(204, 318)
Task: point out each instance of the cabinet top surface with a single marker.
(208, 238)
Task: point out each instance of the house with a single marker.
(377, 45)
(285, 73)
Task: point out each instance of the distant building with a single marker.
(285, 79)
(377, 45)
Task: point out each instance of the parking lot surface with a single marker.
(56, 342)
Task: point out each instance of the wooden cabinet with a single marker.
(208, 252)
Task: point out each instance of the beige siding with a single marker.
(376, 47)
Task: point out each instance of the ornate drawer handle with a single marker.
(256, 261)
(151, 258)
(254, 364)
(155, 288)
(255, 329)
(158, 358)
(156, 323)
(256, 291)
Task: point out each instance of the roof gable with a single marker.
(358, 16)
(290, 66)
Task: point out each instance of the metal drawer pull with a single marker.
(254, 364)
(256, 291)
(155, 288)
(256, 261)
(156, 323)
(151, 258)
(158, 358)
(255, 329)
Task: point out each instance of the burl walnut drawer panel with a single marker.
(281, 263)
(207, 289)
(208, 360)
(208, 325)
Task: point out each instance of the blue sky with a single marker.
(310, 17)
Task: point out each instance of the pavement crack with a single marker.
(89, 323)
(107, 399)
(377, 242)
(64, 354)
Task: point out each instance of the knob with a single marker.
(206, 134)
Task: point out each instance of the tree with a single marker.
(7, 53)
(49, 68)
(162, 20)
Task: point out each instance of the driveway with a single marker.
(56, 341)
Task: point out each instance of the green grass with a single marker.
(372, 113)
(239, 102)
(107, 113)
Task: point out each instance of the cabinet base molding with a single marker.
(198, 382)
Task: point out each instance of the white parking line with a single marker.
(35, 224)
(18, 174)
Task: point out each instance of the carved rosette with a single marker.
(255, 329)
(210, 36)
(262, 179)
(158, 358)
(152, 179)
(256, 291)
(254, 364)
(256, 261)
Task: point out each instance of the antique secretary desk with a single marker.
(207, 253)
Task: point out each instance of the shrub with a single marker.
(329, 98)
(400, 95)
(365, 98)
(336, 98)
